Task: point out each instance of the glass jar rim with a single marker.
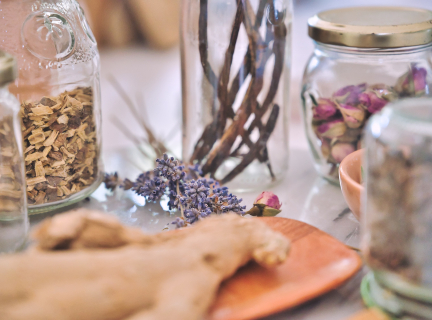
(372, 27)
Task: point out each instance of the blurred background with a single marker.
(138, 42)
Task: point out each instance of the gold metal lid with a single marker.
(8, 68)
(372, 27)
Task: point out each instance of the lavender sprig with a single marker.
(196, 197)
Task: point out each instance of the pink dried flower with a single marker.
(372, 102)
(332, 129)
(413, 82)
(269, 199)
(266, 204)
(353, 116)
(340, 150)
(349, 94)
(324, 110)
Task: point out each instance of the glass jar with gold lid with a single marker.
(364, 58)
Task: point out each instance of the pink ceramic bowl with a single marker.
(350, 180)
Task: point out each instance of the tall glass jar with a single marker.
(397, 220)
(363, 59)
(59, 91)
(13, 206)
(235, 76)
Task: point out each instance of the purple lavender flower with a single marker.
(349, 94)
(179, 222)
(193, 215)
(141, 181)
(197, 191)
(324, 110)
(169, 168)
(152, 189)
(111, 181)
(332, 129)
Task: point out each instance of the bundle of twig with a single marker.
(216, 143)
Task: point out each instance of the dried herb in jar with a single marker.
(60, 147)
(11, 184)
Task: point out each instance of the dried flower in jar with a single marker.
(338, 121)
(60, 145)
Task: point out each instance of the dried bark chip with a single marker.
(42, 110)
(33, 181)
(60, 127)
(63, 119)
(51, 138)
(40, 198)
(39, 169)
(54, 181)
(74, 122)
(53, 118)
(48, 102)
(56, 155)
(36, 138)
(34, 156)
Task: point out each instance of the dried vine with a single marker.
(217, 140)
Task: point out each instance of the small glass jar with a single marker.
(235, 77)
(363, 59)
(59, 91)
(397, 220)
(14, 223)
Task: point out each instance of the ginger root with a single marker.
(87, 266)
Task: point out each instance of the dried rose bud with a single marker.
(413, 82)
(353, 116)
(349, 94)
(324, 110)
(266, 204)
(372, 102)
(325, 148)
(340, 150)
(332, 129)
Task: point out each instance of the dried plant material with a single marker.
(81, 254)
(399, 202)
(58, 134)
(12, 184)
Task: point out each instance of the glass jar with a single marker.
(14, 223)
(235, 77)
(59, 91)
(363, 59)
(397, 220)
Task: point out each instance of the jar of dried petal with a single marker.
(59, 91)
(397, 220)
(363, 59)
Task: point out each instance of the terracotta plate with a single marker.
(317, 264)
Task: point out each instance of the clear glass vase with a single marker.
(14, 222)
(59, 91)
(235, 77)
(397, 220)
